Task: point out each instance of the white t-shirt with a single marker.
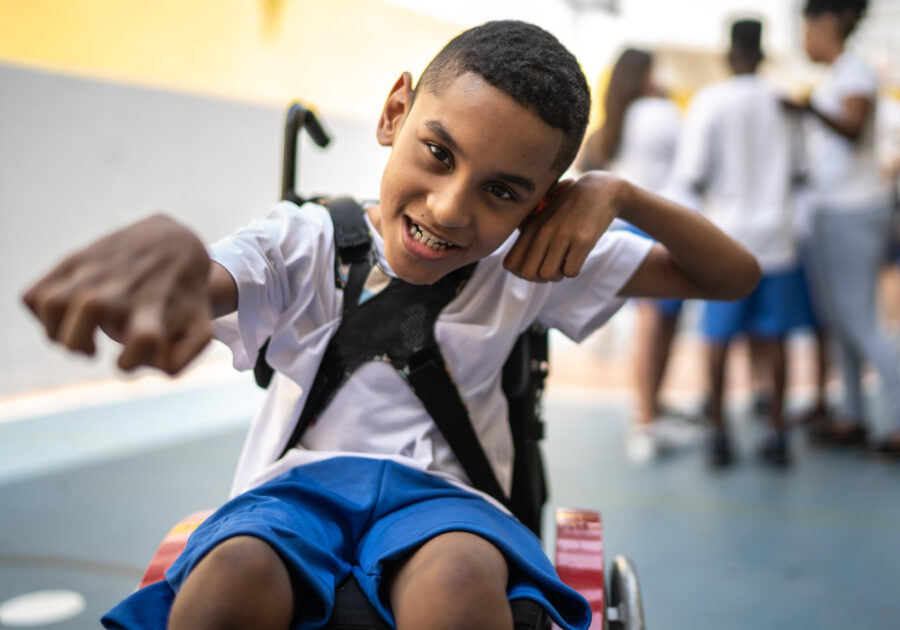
(284, 269)
(743, 150)
(649, 138)
(844, 175)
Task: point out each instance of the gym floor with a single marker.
(88, 492)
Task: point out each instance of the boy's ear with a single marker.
(555, 191)
(396, 107)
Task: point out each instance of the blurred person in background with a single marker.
(850, 219)
(739, 152)
(637, 141)
(887, 132)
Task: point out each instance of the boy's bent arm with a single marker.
(692, 259)
(149, 286)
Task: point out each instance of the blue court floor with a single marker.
(86, 495)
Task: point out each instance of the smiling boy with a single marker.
(372, 488)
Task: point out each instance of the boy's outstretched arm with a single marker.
(692, 259)
(149, 286)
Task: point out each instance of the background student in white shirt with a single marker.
(738, 151)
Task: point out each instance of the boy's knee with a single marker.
(241, 583)
(457, 579)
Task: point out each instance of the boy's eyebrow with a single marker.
(438, 129)
(441, 132)
(517, 180)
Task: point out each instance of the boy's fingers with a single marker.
(51, 278)
(580, 242)
(50, 310)
(183, 350)
(533, 263)
(552, 267)
(143, 338)
(29, 298)
(517, 253)
(52, 301)
(574, 260)
(84, 314)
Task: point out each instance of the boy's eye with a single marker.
(440, 154)
(501, 192)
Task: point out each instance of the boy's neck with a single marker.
(374, 217)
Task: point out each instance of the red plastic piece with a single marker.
(579, 557)
(171, 547)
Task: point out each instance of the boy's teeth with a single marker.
(426, 238)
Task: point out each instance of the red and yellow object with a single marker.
(172, 546)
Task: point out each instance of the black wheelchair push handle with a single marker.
(299, 117)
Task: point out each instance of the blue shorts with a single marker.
(669, 308)
(356, 515)
(777, 305)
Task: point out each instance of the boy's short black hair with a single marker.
(746, 36)
(527, 63)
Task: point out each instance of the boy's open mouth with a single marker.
(423, 236)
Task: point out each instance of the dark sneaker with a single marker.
(888, 448)
(720, 454)
(839, 433)
(815, 416)
(774, 450)
(761, 405)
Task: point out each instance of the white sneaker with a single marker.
(673, 432)
(640, 445)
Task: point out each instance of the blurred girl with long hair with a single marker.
(850, 218)
(637, 141)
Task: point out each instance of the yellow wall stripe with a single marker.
(340, 54)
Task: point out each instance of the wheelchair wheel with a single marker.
(625, 610)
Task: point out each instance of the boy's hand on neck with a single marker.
(554, 244)
(145, 286)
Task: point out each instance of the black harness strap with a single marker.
(351, 233)
(395, 326)
(431, 382)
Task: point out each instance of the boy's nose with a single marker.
(449, 206)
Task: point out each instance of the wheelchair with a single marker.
(614, 594)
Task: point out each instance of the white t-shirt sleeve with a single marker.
(277, 264)
(578, 306)
(855, 77)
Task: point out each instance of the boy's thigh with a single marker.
(309, 527)
(467, 535)
(456, 566)
(242, 580)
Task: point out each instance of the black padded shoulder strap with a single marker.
(351, 233)
(353, 243)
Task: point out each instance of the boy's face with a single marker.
(820, 31)
(467, 166)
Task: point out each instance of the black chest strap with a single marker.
(396, 326)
